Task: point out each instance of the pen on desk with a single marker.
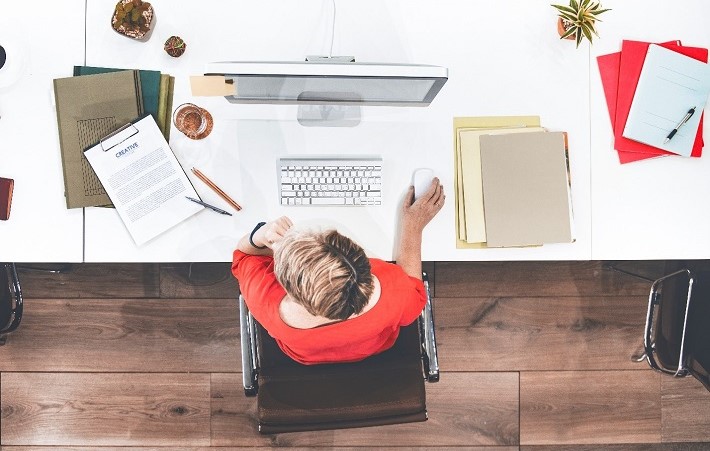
(685, 119)
(211, 207)
(216, 189)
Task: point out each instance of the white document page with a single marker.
(144, 180)
(670, 84)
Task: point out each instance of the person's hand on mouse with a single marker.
(417, 214)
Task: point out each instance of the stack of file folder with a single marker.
(94, 103)
(633, 85)
(156, 93)
(512, 183)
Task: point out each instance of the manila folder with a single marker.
(526, 193)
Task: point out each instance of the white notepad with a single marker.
(670, 84)
(144, 180)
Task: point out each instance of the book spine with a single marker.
(163, 102)
(139, 92)
(169, 108)
(62, 147)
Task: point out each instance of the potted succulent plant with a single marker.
(578, 19)
(132, 18)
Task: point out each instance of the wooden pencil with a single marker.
(216, 188)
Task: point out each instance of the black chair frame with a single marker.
(650, 346)
(15, 300)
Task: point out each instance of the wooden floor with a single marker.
(534, 356)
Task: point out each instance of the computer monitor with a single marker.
(329, 83)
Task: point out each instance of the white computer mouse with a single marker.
(421, 179)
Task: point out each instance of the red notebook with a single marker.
(633, 54)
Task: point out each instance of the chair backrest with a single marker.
(698, 335)
(664, 339)
(383, 389)
(10, 298)
(677, 338)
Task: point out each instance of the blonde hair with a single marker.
(325, 272)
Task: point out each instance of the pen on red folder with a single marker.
(685, 119)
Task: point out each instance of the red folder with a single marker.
(609, 72)
(609, 69)
(633, 54)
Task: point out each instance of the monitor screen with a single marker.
(327, 83)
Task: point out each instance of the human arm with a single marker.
(265, 237)
(415, 216)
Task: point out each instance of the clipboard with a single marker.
(143, 179)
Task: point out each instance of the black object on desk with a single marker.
(211, 207)
(685, 119)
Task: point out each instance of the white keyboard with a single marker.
(330, 181)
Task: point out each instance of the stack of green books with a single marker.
(156, 91)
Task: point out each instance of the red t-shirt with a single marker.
(401, 300)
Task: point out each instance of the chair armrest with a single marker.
(427, 331)
(15, 291)
(248, 344)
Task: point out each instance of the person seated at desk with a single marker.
(321, 298)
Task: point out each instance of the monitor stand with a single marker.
(329, 115)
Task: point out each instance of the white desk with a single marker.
(658, 208)
(520, 72)
(504, 58)
(40, 226)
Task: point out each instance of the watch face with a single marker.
(3, 56)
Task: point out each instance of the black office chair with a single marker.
(386, 388)
(677, 335)
(10, 300)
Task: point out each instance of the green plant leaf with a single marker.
(569, 18)
(587, 33)
(565, 9)
(593, 30)
(568, 33)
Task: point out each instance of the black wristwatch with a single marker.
(251, 236)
